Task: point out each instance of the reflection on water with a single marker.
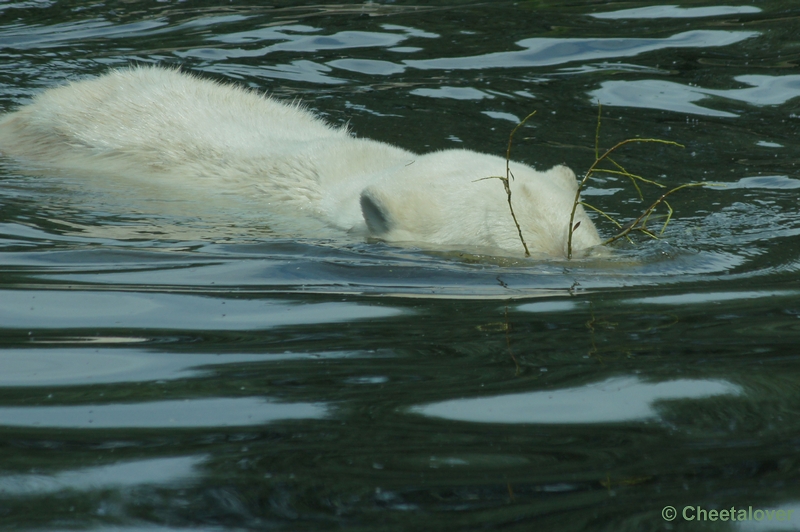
(455, 93)
(186, 413)
(45, 309)
(766, 181)
(714, 297)
(116, 476)
(670, 96)
(676, 12)
(72, 366)
(541, 52)
(615, 400)
(42, 37)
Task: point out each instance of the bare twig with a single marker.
(639, 223)
(510, 176)
(594, 168)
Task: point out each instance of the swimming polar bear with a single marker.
(165, 124)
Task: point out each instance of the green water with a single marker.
(190, 369)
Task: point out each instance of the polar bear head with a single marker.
(443, 199)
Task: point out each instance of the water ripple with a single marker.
(80, 366)
(677, 12)
(155, 471)
(541, 52)
(188, 413)
(75, 309)
(679, 98)
(615, 400)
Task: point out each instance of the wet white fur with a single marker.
(164, 124)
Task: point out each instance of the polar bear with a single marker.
(154, 122)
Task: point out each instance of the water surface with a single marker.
(186, 365)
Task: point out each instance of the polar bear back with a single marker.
(161, 117)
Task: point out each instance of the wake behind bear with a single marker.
(152, 122)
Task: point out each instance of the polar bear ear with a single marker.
(564, 175)
(375, 212)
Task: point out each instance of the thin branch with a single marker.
(511, 139)
(637, 225)
(509, 176)
(594, 168)
(605, 215)
(597, 130)
(669, 217)
(602, 213)
(633, 177)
